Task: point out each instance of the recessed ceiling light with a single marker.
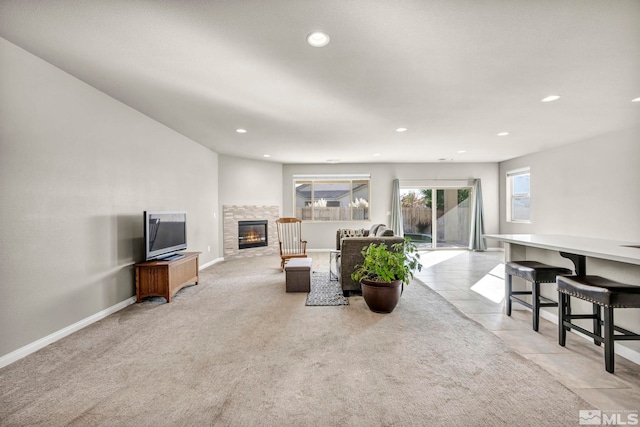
(241, 130)
(550, 98)
(266, 155)
(376, 155)
(318, 39)
(635, 100)
(401, 130)
(462, 151)
(503, 134)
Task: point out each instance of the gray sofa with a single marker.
(351, 253)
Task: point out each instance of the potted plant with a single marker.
(384, 272)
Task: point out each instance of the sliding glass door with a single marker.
(437, 217)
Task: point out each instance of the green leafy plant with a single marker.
(383, 264)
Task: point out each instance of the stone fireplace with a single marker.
(248, 216)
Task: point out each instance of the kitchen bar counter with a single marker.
(576, 248)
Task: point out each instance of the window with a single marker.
(519, 196)
(331, 197)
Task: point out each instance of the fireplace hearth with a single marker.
(252, 234)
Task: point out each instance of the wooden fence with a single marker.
(416, 220)
(332, 213)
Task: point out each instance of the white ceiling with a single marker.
(454, 72)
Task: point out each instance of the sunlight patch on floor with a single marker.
(491, 286)
(431, 258)
(498, 271)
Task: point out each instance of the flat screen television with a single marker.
(165, 233)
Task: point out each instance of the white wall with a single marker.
(589, 188)
(321, 235)
(77, 169)
(248, 182)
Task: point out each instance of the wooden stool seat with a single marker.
(603, 294)
(536, 273)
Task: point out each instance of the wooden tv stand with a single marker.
(165, 278)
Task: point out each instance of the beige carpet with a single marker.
(237, 350)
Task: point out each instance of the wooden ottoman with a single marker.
(298, 275)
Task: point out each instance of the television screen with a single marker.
(164, 234)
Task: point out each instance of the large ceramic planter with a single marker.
(381, 297)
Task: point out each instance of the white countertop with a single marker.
(613, 250)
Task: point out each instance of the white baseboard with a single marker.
(622, 350)
(49, 339)
(210, 263)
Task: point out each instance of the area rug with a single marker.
(325, 291)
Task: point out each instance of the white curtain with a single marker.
(396, 210)
(476, 242)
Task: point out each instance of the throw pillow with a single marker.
(374, 229)
(384, 231)
(350, 232)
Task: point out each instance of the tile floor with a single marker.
(474, 283)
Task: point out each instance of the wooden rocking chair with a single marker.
(290, 239)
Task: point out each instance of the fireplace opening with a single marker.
(252, 234)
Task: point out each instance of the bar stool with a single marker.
(536, 273)
(602, 293)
